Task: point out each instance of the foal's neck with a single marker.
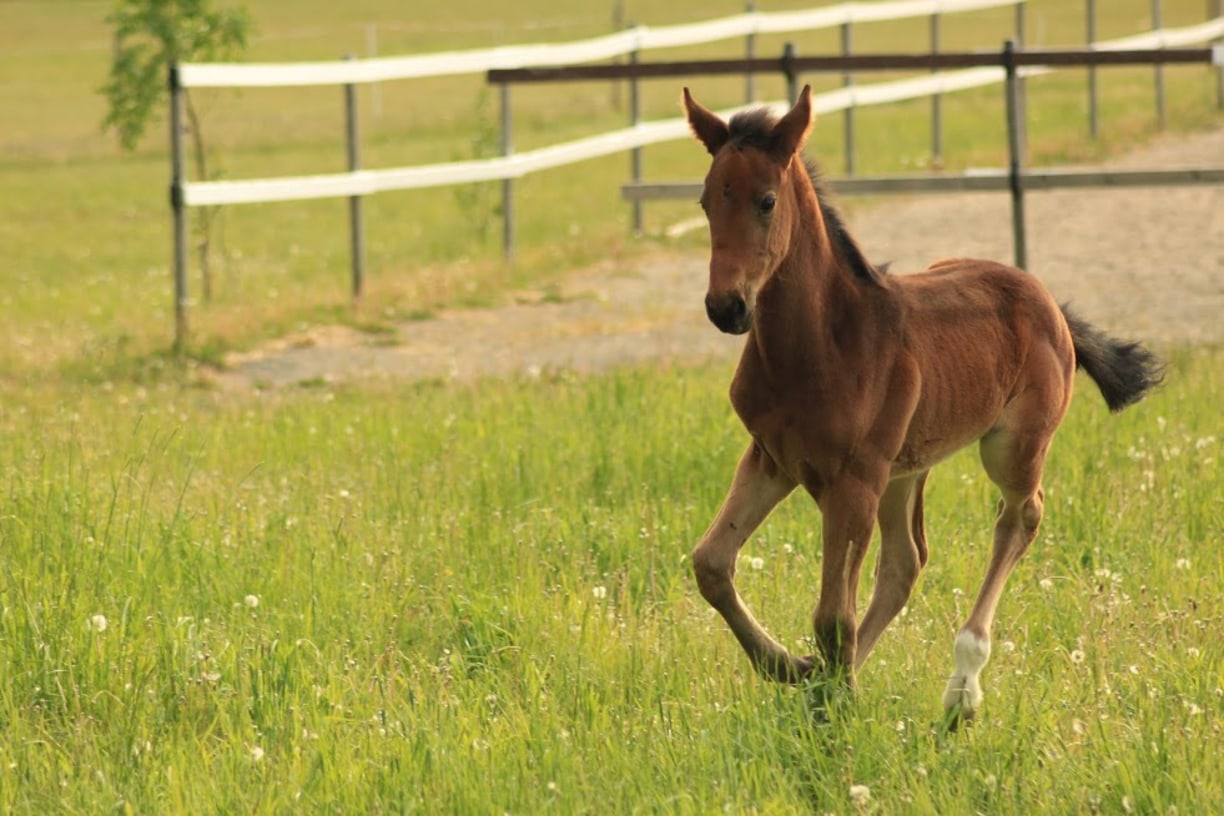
(815, 297)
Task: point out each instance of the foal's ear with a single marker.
(707, 127)
(791, 132)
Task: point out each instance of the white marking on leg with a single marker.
(964, 692)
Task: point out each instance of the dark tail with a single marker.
(1123, 371)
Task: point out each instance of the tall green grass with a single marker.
(450, 598)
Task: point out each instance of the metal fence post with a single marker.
(848, 113)
(936, 102)
(1090, 26)
(1015, 179)
(356, 216)
(179, 205)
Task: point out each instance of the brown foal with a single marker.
(854, 383)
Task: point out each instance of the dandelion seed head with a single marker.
(251, 601)
(860, 795)
(1046, 584)
(1077, 656)
(1183, 563)
(257, 753)
(98, 623)
(757, 563)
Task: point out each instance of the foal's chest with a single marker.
(794, 427)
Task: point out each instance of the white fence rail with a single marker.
(639, 38)
(365, 182)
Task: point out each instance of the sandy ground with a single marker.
(1146, 263)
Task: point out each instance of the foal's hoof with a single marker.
(955, 717)
(825, 693)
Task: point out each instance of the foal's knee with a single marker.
(714, 574)
(1026, 513)
(1032, 512)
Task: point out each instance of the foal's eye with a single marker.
(767, 203)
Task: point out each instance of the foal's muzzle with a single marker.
(729, 312)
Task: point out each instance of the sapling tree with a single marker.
(150, 35)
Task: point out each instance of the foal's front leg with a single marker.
(849, 510)
(757, 488)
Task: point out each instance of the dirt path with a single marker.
(1146, 263)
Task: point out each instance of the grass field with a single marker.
(476, 599)
(447, 598)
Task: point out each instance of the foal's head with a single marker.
(752, 201)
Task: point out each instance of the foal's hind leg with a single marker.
(903, 553)
(755, 491)
(1013, 460)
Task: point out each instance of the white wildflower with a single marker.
(600, 592)
(257, 753)
(98, 623)
(252, 601)
(860, 795)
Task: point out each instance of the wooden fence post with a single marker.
(750, 53)
(179, 205)
(635, 155)
(507, 145)
(1158, 72)
(936, 102)
(1090, 26)
(848, 113)
(788, 69)
(356, 216)
(1015, 179)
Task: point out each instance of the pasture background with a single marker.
(476, 598)
(86, 228)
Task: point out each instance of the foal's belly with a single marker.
(924, 448)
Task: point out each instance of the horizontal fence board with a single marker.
(987, 180)
(1147, 55)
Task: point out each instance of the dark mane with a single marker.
(754, 128)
